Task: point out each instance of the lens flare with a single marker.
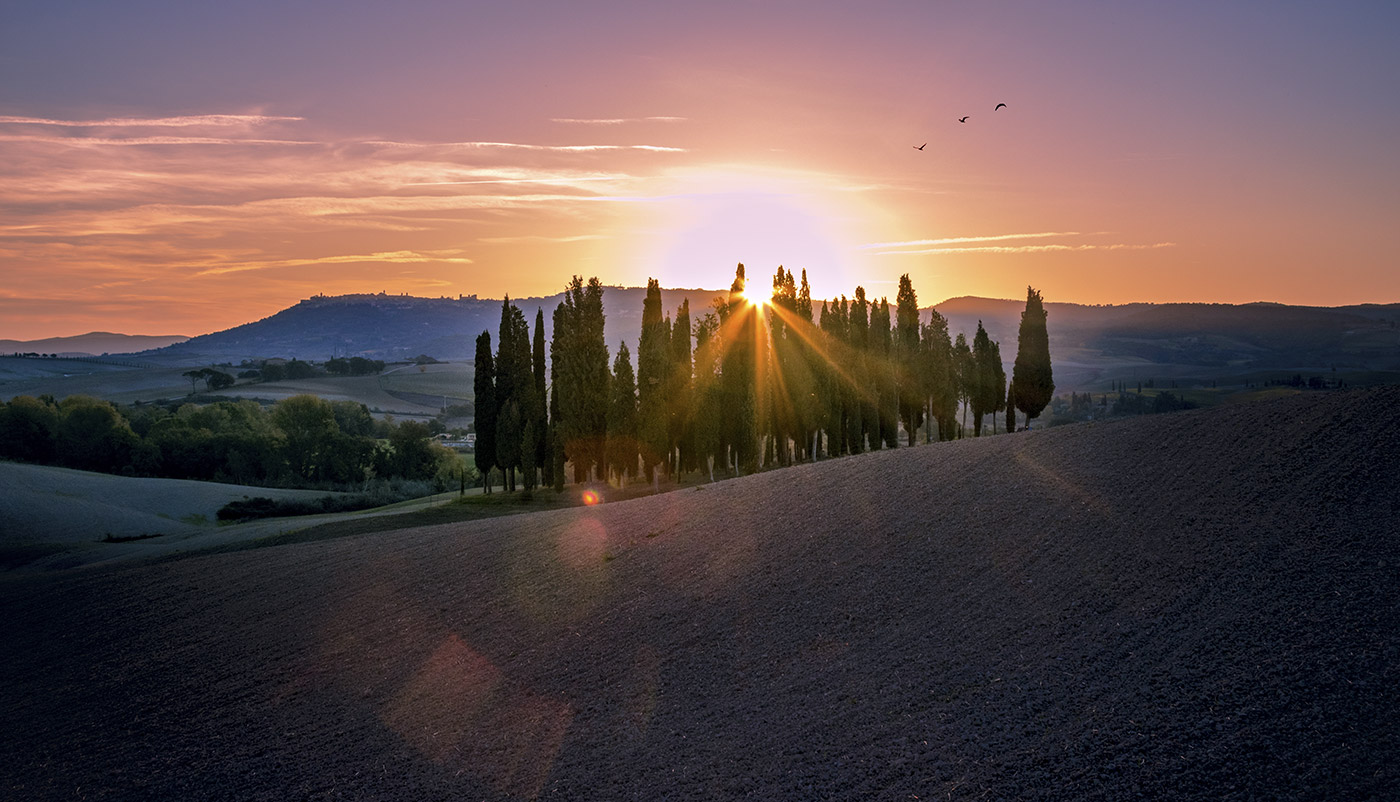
(591, 497)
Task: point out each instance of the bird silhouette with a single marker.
(1000, 106)
(963, 119)
(921, 147)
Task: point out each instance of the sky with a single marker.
(181, 168)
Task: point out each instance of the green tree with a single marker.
(484, 401)
(678, 397)
(93, 436)
(623, 417)
(739, 374)
(217, 379)
(1031, 375)
(883, 374)
(28, 429)
(539, 430)
(986, 392)
(907, 358)
(862, 420)
(965, 369)
(707, 396)
(653, 382)
(581, 358)
(310, 431)
(940, 377)
(515, 393)
(412, 455)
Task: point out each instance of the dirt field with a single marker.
(1191, 606)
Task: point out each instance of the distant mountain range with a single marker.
(95, 343)
(1090, 345)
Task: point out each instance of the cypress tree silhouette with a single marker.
(678, 396)
(484, 403)
(907, 356)
(622, 417)
(653, 369)
(541, 417)
(1032, 374)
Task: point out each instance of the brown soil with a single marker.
(1192, 606)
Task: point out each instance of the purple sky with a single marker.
(182, 168)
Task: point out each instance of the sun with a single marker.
(715, 220)
(754, 296)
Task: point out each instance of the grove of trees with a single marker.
(302, 441)
(741, 385)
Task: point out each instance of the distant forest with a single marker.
(303, 441)
(743, 384)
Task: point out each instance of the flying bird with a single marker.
(921, 147)
(1000, 106)
(963, 119)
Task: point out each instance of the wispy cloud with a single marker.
(615, 120)
(964, 244)
(526, 146)
(93, 141)
(117, 206)
(915, 243)
(153, 122)
(542, 238)
(1030, 249)
(389, 257)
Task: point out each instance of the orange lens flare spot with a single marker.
(591, 497)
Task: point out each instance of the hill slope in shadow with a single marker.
(1190, 606)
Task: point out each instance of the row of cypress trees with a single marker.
(736, 387)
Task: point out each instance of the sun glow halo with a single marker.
(716, 220)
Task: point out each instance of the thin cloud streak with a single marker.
(89, 141)
(958, 240)
(391, 257)
(1030, 249)
(614, 120)
(523, 146)
(153, 122)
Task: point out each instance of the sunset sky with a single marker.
(180, 168)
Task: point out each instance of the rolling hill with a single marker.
(1189, 606)
(1091, 345)
(95, 343)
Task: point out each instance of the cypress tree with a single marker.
(484, 402)
(806, 383)
(907, 357)
(557, 356)
(883, 354)
(541, 419)
(679, 396)
(707, 395)
(739, 322)
(985, 392)
(653, 367)
(622, 417)
(1031, 374)
(581, 358)
(965, 368)
(515, 394)
(863, 419)
(940, 377)
(782, 406)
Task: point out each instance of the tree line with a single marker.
(739, 386)
(302, 441)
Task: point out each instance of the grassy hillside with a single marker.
(1187, 606)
